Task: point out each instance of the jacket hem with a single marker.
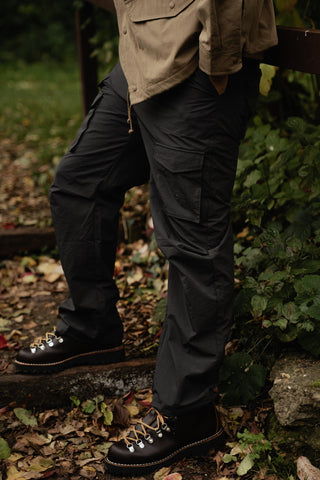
(164, 84)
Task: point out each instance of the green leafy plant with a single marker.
(240, 379)
(252, 450)
(277, 259)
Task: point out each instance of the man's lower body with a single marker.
(185, 141)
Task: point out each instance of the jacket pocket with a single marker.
(143, 10)
(85, 123)
(178, 178)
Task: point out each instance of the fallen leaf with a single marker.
(173, 476)
(40, 464)
(25, 416)
(133, 410)
(107, 414)
(28, 262)
(135, 277)
(5, 451)
(14, 457)
(37, 439)
(13, 474)
(162, 473)
(29, 278)
(3, 342)
(4, 324)
(88, 472)
(104, 447)
(305, 469)
(246, 464)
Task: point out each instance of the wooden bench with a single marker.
(298, 49)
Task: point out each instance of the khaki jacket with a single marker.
(162, 42)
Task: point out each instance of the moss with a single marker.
(295, 441)
(315, 384)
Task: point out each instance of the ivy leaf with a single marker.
(252, 178)
(259, 304)
(311, 282)
(282, 323)
(314, 312)
(25, 416)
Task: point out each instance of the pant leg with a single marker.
(86, 195)
(192, 136)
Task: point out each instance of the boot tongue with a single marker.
(149, 419)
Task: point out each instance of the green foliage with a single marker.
(254, 450)
(257, 445)
(277, 192)
(240, 379)
(96, 404)
(5, 451)
(298, 13)
(33, 115)
(255, 441)
(75, 400)
(32, 30)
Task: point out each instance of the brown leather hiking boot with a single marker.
(157, 441)
(53, 353)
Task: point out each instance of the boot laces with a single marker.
(137, 434)
(48, 338)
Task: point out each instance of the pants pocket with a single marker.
(178, 179)
(85, 123)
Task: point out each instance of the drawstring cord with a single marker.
(129, 121)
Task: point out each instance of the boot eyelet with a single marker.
(149, 439)
(33, 349)
(159, 433)
(60, 340)
(130, 447)
(140, 443)
(42, 347)
(50, 343)
(166, 428)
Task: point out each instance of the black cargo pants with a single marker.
(185, 141)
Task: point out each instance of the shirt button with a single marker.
(124, 31)
(172, 5)
(133, 88)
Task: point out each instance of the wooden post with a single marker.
(88, 64)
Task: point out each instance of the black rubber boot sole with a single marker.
(196, 449)
(100, 357)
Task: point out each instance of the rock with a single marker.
(54, 390)
(296, 390)
(306, 471)
(295, 440)
(295, 425)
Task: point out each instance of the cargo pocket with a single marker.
(85, 123)
(178, 178)
(152, 10)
